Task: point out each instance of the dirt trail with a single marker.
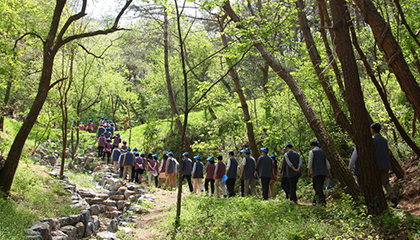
(146, 224)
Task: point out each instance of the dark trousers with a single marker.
(293, 186)
(137, 172)
(121, 171)
(265, 182)
(100, 151)
(286, 187)
(318, 184)
(188, 177)
(206, 185)
(107, 155)
(230, 184)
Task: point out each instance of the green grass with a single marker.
(252, 218)
(82, 180)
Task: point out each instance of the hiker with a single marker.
(128, 164)
(101, 145)
(138, 167)
(197, 173)
(231, 171)
(117, 140)
(89, 127)
(210, 167)
(102, 121)
(99, 132)
(54, 126)
(283, 175)
(382, 157)
(294, 164)
(170, 171)
(356, 171)
(274, 178)
(162, 170)
(318, 170)
(264, 170)
(133, 172)
(187, 170)
(120, 162)
(108, 133)
(112, 129)
(176, 172)
(106, 123)
(156, 171)
(152, 168)
(107, 150)
(219, 171)
(115, 156)
(81, 126)
(124, 145)
(248, 171)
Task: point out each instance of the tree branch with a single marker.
(56, 82)
(91, 53)
(70, 20)
(220, 79)
(26, 34)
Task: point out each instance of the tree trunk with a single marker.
(5, 102)
(337, 164)
(392, 51)
(374, 195)
(244, 105)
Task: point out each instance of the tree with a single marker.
(51, 44)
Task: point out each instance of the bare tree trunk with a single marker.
(244, 105)
(374, 195)
(5, 102)
(392, 51)
(337, 164)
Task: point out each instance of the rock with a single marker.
(52, 159)
(34, 237)
(42, 228)
(94, 200)
(59, 235)
(70, 188)
(86, 192)
(139, 190)
(125, 229)
(89, 229)
(70, 220)
(84, 218)
(115, 184)
(111, 208)
(113, 225)
(117, 197)
(102, 195)
(52, 222)
(94, 209)
(132, 198)
(128, 193)
(70, 231)
(96, 223)
(80, 230)
(120, 205)
(53, 174)
(106, 235)
(112, 214)
(110, 203)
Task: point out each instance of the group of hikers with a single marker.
(220, 177)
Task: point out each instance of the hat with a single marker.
(264, 149)
(170, 153)
(211, 159)
(105, 118)
(81, 122)
(102, 117)
(108, 139)
(289, 144)
(72, 120)
(90, 120)
(118, 134)
(155, 155)
(108, 128)
(186, 154)
(135, 149)
(246, 150)
(136, 153)
(143, 154)
(112, 124)
(128, 149)
(102, 134)
(123, 150)
(125, 141)
(197, 157)
(273, 156)
(111, 120)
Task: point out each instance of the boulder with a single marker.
(42, 228)
(115, 184)
(96, 223)
(120, 205)
(106, 235)
(102, 195)
(80, 230)
(94, 200)
(84, 218)
(110, 203)
(89, 230)
(52, 222)
(86, 192)
(111, 208)
(70, 231)
(94, 209)
(117, 197)
(52, 159)
(59, 235)
(113, 225)
(112, 214)
(70, 220)
(128, 193)
(139, 190)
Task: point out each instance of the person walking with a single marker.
(210, 169)
(219, 171)
(283, 175)
(115, 155)
(170, 171)
(197, 174)
(138, 167)
(81, 126)
(265, 171)
(107, 150)
(99, 132)
(248, 172)
(294, 164)
(152, 168)
(128, 163)
(162, 170)
(89, 127)
(318, 170)
(187, 170)
(120, 162)
(117, 140)
(101, 145)
(124, 145)
(231, 171)
(274, 178)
